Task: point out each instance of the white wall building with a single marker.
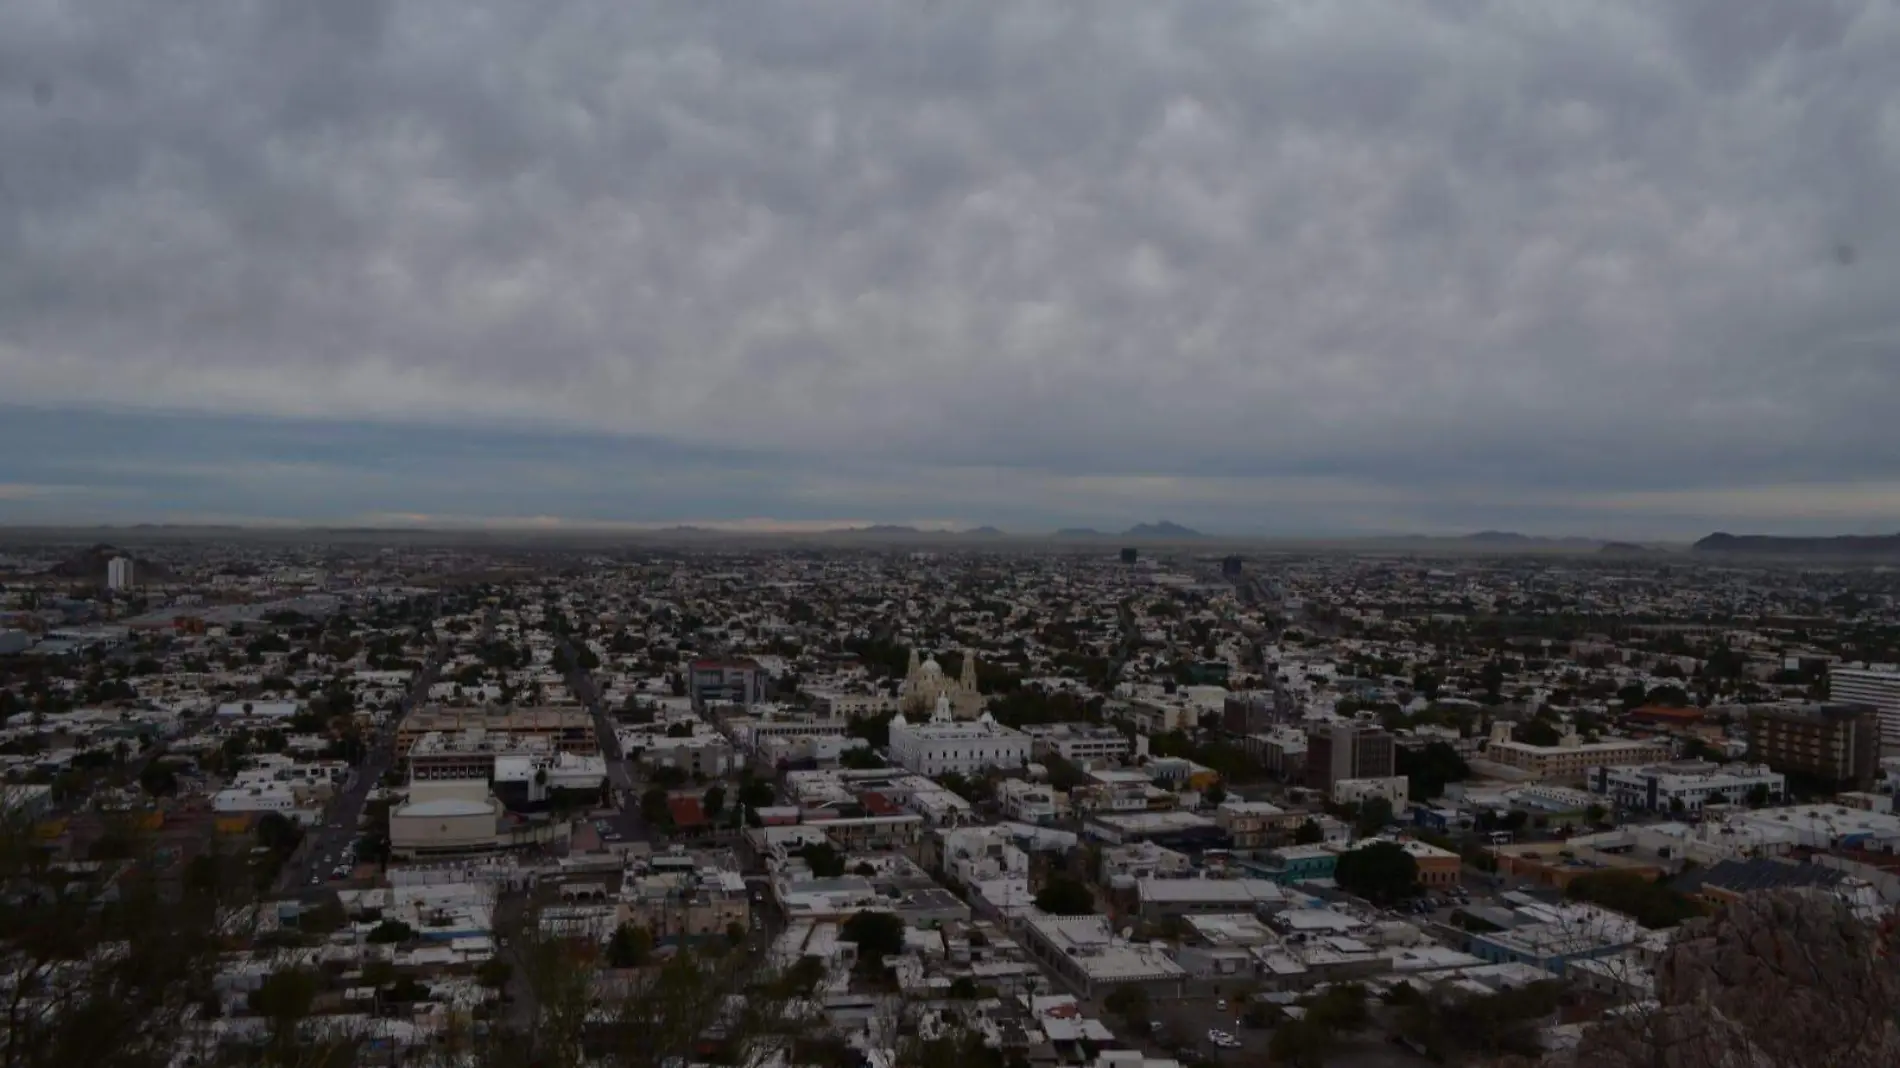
(1395, 788)
(119, 573)
(943, 744)
(1077, 743)
(1030, 802)
(1659, 787)
(1877, 685)
(277, 797)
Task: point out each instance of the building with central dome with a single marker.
(925, 682)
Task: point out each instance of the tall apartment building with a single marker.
(119, 573)
(1876, 686)
(1347, 751)
(1247, 712)
(1835, 743)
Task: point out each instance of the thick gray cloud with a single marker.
(1361, 264)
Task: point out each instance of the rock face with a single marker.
(1788, 979)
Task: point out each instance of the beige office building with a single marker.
(1572, 758)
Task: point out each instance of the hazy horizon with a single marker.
(1610, 269)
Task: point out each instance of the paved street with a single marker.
(323, 845)
(626, 787)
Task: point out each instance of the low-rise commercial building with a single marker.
(568, 730)
(1571, 759)
(1085, 953)
(1686, 786)
(1550, 937)
(1256, 824)
(677, 895)
(1161, 898)
(1395, 789)
(1077, 743)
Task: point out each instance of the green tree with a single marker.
(1130, 1002)
(715, 801)
(755, 793)
(824, 860)
(1215, 795)
(494, 973)
(1538, 732)
(876, 934)
(1382, 873)
(1341, 1008)
(1430, 769)
(284, 1000)
(158, 779)
(378, 973)
(1309, 833)
(629, 947)
(278, 833)
(1065, 896)
(1374, 814)
(1649, 902)
(1302, 1043)
(653, 807)
(391, 932)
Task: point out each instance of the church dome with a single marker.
(931, 668)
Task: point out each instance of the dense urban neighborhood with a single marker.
(919, 801)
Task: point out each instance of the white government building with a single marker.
(944, 744)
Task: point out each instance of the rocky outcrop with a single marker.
(1788, 979)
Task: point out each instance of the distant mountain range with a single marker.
(1162, 530)
(1771, 545)
(1509, 538)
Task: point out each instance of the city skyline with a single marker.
(1611, 270)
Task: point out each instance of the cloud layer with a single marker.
(1292, 267)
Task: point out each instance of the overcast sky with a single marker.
(1603, 268)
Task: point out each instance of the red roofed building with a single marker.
(1673, 721)
(688, 816)
(876, 804)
